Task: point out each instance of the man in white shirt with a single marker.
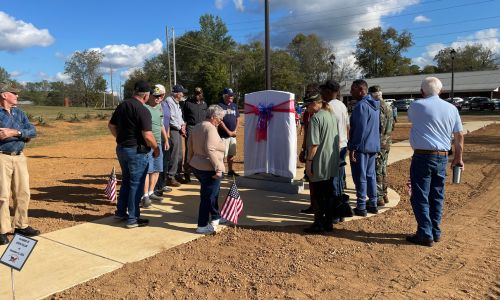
(329, 92)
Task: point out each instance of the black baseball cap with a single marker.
(142, 87)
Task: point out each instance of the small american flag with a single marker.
(110, 190)
(233, 205)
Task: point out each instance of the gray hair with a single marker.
(215, 110)
(431, 86)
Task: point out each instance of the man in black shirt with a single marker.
(131, 126)
(193, 112)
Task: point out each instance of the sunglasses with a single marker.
(15, 93)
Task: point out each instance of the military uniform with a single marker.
(386, 127)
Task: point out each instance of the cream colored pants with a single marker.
(14, 184)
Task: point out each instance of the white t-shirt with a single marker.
(340, 112)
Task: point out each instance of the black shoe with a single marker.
(372, 210)
(308, 210)
(142, 222)
(28, 231)
(4, 240)
(359, 212)
(187, 178)
(232, 173)
(414, 239)
(314, 229)
(437, 239)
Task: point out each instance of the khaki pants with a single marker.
(14, 184)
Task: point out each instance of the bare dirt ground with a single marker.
(361, 259)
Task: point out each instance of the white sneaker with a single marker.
(206, 229)
(218, 221)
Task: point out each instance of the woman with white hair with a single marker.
(206, 157)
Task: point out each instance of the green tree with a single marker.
(285, 72)
(429, 69)
(88, 81)
(312, 55)
(379, 53)
(469, 58)
(128, 87)
(4, 75)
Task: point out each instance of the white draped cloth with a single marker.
(277, 153)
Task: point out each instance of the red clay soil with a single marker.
(361, 259)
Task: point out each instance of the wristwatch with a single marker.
(19, 133)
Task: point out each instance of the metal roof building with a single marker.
(479, 83)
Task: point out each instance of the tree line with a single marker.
(212, 59)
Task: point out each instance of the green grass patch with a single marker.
(50, 113)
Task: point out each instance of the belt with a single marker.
(11, 153)
(431, 152)
(174, 129)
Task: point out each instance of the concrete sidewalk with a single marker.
(70, 256)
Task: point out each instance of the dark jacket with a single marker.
(364, 134)
(194, 113)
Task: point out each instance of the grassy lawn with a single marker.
(49, 113)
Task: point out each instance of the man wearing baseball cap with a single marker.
(177, 130)
(15, 131)
(130, 124)
(228, 128)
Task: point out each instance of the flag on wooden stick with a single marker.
(233, 205)
(110, 190)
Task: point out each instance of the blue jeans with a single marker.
(428, 176)
(365, 179)
(338, 182)
(134, 169)
(209, 196)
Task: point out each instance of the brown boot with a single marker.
(380, 202)
(172, 182)
(386, 200)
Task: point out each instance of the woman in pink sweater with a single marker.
(206, 157)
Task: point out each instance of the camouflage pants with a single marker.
(381, 166)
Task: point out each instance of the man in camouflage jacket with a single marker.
(386, 127)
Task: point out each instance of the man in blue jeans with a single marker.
(363, 145)
(434, 121)
(131, 125)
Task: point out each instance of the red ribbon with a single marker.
(265, 114)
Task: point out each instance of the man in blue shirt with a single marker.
(228, 128)
(15, 131)
(434, 121)
(363, 145)
(177, 130)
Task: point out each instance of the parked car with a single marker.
(403, 104)
(456, 101)
(389, 101)
(480, 103)
(496, 101)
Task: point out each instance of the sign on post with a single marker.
(18, 251)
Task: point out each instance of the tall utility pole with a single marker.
(268, 49)
(173, 52)
(167, 43)
(452, 54)
(111, 80)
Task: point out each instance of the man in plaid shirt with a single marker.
(15, 131)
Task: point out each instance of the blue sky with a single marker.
(37, 36)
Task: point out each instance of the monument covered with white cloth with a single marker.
(270, 142)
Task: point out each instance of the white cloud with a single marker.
(219, 4)
(126, 74)
(125, 56)
(16, 34)
(421, 19)
(487, 38)
(239, 5)
(16, 73)
(60, 76)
